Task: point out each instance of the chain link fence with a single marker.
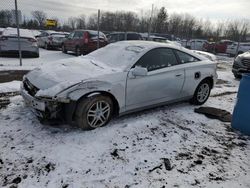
(18, 17)
(37, 16)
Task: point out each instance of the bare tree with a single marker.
(81, 22)
(92, 22)
(39, 16)
(161, 21)
(72, 22)
(237, 30)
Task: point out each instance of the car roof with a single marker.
(125, 53)
(129, 32)
(145, 46)
(13, 32)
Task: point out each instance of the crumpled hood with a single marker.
(63, 74)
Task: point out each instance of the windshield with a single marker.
(117, 55)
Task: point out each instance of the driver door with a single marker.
(163, 82)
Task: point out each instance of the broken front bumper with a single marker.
(43, 108)
(31, 101)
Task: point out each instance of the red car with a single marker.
(83, 41)
(219, 47)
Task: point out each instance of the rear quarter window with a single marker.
(94, 34)
(186, 58)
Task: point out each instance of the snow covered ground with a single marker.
(46, 56)
(170, 146)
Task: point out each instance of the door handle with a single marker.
(178, 75)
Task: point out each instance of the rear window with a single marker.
(245, 44)
(121, 36)
(186, 58)
(229, 43)
(94, 34)
(133, 36)
(62, 34)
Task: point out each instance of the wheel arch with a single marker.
(210, 79)
(100, 92)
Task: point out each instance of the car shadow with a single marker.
(59, 125)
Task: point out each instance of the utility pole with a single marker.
(98, 29)
(18, 33)
(150, 21)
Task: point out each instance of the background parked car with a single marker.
(83, 41)
(1, 31)
(9, 43)
(209, 47)
(163, 40)
(243, 47)
(241, 64)
(120, 78)
(218, 47)
(196, 44)
(120, 36)
(51, 39)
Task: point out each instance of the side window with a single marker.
(132, 36)
(114, 37)
(78, 35)
(186, 58)
(44, 34)
(121, 36)
(157, 59)
(71, 35)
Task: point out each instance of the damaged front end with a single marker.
(44, 107)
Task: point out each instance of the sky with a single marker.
(214, 10)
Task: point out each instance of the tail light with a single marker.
(3, 38)
(32, 40)
(86, 37)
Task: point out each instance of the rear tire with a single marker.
(36, 55)
(47, 47)
(64, 50)
(202, 93)
(93, 112)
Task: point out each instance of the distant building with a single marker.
(13, 17)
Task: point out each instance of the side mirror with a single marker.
(139, 71)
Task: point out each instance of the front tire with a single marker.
(202, 93)
(78, 51)
(94, 112)
(237, 76)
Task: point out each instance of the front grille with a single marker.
(246, 62)
(30, 88)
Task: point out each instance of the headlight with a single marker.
(237, 59)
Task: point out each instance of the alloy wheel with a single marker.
(203, 92)
(98, 114)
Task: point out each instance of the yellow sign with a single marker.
(50, 22)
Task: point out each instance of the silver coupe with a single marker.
(120, 78)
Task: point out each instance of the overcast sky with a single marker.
(215, 10)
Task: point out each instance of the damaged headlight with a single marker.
(237, 60)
